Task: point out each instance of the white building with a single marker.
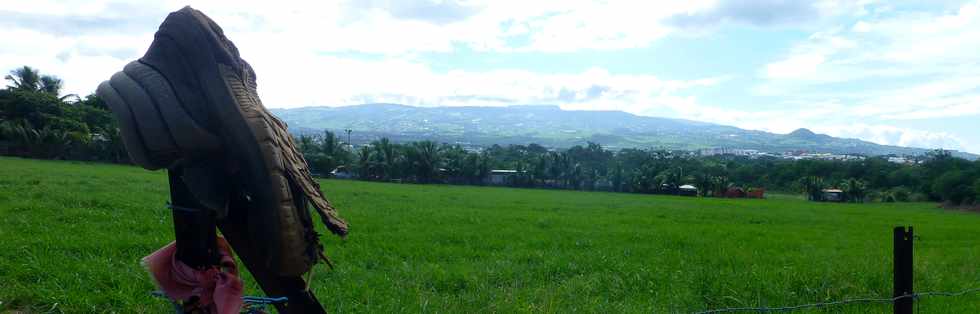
(501, 176)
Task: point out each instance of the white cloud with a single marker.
(82, 62)
(917, 51)
(795, 66)
(338, 81)
(820, 117)
(400, 27)
(890, 135)
(297, 51)
(946, 97)
(59, 36)
(861, 27)
(886, 68)
(782, 120)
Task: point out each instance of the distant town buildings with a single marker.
(793, 155)
(902, 160)
(729, 151)
(799, 155)
(820, 156)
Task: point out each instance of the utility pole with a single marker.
(348, 138)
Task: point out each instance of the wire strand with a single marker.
(841, 302)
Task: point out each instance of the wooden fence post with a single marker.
(903, 270)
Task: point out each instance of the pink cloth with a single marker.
(217, 288)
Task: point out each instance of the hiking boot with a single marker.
(190, 101)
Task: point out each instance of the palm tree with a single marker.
(483, 166)
(563, 169)
(475, 167)
(333, 150)
(854, 189)
(30, 79)
(812, 186)
(331, 145)
(617, 177)
(365, 167)
(386, 157)
(8, 130)
(113, 146)
(539, 169)
(703, 181)
(24, 78)
(52, 85)
(719, 184)
(468, 169)
(523, 177)
(575, 176)
(452, 161)
(306, 145)
(639, 181)
(668, 180)
(425, 158)
(556, 167)
(46, 143)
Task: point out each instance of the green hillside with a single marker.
(554, 127)
(73, 233)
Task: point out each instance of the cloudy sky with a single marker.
(891, 72)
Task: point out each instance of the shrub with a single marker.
(888, 197)
(918, 197)
(954, 187)
(976, 191)
(900, 194)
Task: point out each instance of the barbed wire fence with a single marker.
(914, 296)
(904, 300)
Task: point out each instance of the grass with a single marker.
(71, 236)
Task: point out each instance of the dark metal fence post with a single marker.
(903, 270)
(194, 230)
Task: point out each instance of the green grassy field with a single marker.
(71, 236)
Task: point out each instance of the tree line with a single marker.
(36, 121)
(937, 176)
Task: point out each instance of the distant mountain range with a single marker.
(553, 127)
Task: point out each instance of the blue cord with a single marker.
(250, 303)
(264, 300)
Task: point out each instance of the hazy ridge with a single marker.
(554, 127)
